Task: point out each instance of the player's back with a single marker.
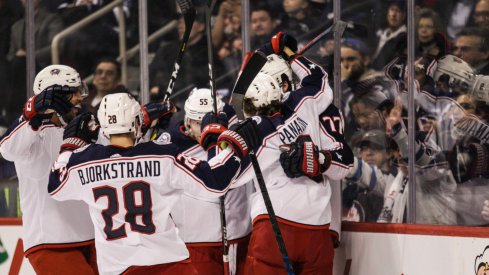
(130, 192)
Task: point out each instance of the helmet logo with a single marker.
(55, 71)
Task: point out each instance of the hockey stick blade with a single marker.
(245, 77)
(338, 27)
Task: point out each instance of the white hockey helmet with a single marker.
(120, 113)
(458, 71)
(58, 75)
(200, 102)
(275, 67)
(263, 90)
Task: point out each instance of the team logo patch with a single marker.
(164, 138)
(481, 265)
(55, 72)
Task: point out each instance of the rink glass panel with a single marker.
(449, 129)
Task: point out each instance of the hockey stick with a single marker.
(249, 70)
(271, 213)
(338, 27)
(212, 84)
(188, 12)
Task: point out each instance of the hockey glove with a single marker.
(211, 127)
(82, 130)
(54, 97)
(282, 40)
(302, 157)
(241, 137)
(155, 110)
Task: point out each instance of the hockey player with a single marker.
(197, 220)
(301, 204)
(331, 133)
(57, 237)
(130, 189)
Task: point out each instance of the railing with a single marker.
(135, 50)
(89, 19)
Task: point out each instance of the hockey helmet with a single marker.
(120, 113)
(59, 75)
(263, 90)
(200, 102)
(454, 70)
(275, 67)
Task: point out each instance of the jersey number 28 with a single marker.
(134, 209)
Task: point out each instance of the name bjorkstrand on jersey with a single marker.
(126, 169)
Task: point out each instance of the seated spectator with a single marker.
(106, 80)
(263, 25)
(471, 45)
(387, 38)
(431, 40)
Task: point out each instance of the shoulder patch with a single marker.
(164, 138)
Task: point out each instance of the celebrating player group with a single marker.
(243, 188)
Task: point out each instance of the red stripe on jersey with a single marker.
(15, 130)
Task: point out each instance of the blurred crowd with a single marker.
(451, 110)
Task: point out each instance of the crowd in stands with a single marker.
(451, 49)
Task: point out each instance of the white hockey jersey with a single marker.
(46, 222)
(130, 193)
(198, 221)
(300, 201)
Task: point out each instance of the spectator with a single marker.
(365, 197)
(387, 38)
(431, 40)
(481, 14)
(229, 12)
(358, 77)
(472, 46)
(106, 80)
(263, 25)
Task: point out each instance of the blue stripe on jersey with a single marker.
(216, 178)
(16, 123)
